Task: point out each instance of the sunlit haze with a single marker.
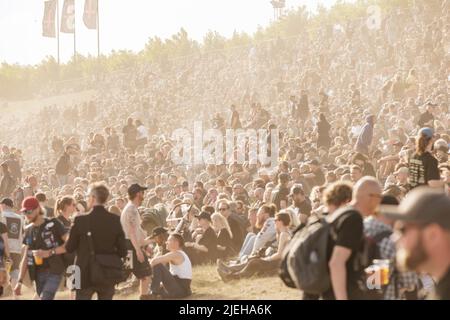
(127, 24)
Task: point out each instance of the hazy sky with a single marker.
(127, 24)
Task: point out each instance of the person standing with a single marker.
(423, 167)
(7, 184)
(348, 227)
(15, 225)
(323, 130)
(424, 223)
(63, 167)
(136, 238)
(43, 253)
(235, 122)
(365, 137)
(130, 135)
(107, 237)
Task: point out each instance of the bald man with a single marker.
(348, 226)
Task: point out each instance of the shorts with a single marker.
(140, 269)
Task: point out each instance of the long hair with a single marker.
(221, 222)
(422, 143)
(62, 203)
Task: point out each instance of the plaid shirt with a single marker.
(403, 280)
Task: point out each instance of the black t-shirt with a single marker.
(224, 240)
(236, 230)
(47, 236)
(423, 168)
(425, 118)
(305, 207)
(349, 234)
(209, 240)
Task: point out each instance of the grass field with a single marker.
(207, 285)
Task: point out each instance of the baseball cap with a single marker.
(135, 188)
(29, 203)
(204, 215)
(8, 202)
(422, 205)
(158, 231)
(427, 132)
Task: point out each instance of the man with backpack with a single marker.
(345, 273)
(15, 225)
(324, 257)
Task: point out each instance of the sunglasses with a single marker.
(28, 212)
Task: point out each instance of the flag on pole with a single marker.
(90, 14)
(48, 22)
(68, 17)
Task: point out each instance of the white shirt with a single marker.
(183, 270)
(142, 132)
(15, 224)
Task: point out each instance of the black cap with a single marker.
(422, 205)
(204, 215)
(134, 189)
(8, 202)
(158, 231)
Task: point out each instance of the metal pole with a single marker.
(57, 28)
(74, 33)
(98, 29)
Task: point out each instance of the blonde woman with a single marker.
(224, 235)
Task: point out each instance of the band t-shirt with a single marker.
(49, 235)
(423, 168)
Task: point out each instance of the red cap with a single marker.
(29, 203)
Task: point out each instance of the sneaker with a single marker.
(145, 297)
(224, 275)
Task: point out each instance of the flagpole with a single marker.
(98, 30)
(57, 28)
(74, 33)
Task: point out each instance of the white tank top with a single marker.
(184, 270)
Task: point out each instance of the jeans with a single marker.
(173, 287)
(247, 247)
(47, 284)
(103, 293)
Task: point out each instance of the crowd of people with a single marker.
(363, 121)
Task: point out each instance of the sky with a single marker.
(127, 24)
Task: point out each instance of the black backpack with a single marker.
(305, 260)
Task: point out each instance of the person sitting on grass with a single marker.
(204, 249)
(175, 281)
(261, 265)
(224, 236)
